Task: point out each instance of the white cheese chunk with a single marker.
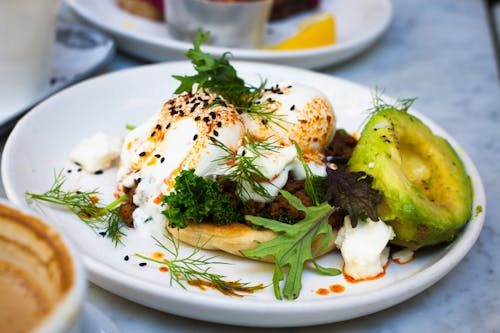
(97, 152)
(363, 248)
(403, 256)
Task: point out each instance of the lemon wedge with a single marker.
(315, 31)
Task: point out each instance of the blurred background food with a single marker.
(153, 9)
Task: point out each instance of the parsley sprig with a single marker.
(195, 268)
(293, 247)
(217, 76)
(84, 204)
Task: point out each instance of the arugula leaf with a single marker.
(352, 191)
(292, 248)
(197, 199)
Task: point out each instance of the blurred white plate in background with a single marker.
(358, 25)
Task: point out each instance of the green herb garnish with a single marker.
(197, 199)
(293, 247)
(241, 168)
(105, 220)
(195, 268)
(217, 76)
(352, 191)
(379, 104)
(314, 185)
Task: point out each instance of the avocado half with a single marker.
(427, 192)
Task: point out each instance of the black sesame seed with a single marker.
(219, 124)
(98, 172)
(195, 137)
(79, 169)
(213, 115)
(216, 133)
(168, 126)
(243, 153)
(197, 118)
(126, 258)
(68, 171)
(181, 112)
(157, 155)
(142, 153)
(139, 180)
(153, 133)
(102, 233)
(206, 119)
(162, 160)
(142, 264)
(292, 107)
(158, 126)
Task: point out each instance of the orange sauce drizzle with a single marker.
(337, 288)
(157, 255)
(350, 279)
(163, 269)
(322, 291)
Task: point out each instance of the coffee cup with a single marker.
(42, 280)
(27, 30)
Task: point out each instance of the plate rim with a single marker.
(111, 279)
(241, 53)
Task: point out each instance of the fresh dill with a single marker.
(379, 104)
(241, 167)
(312, 181)
(105, 220)
(194, 269)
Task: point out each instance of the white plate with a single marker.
(358, 25)
(40, 144)
(78, 52)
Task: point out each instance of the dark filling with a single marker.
(339, 151)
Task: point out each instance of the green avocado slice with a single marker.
(427, 192)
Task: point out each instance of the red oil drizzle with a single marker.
(322, 291)
(231, 288)
(337, 288)
(163, 269)
(157, 255)
(350, 279)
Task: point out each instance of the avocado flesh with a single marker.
(427, 192)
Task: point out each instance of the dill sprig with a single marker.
(84, 204)
(312, 182)
(195, 270)
(241, 168)
(379, 104)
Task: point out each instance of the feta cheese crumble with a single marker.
(96, 153)
(364, 248)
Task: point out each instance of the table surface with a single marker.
(442, 52)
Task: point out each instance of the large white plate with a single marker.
(358, 25)
(40, 144)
